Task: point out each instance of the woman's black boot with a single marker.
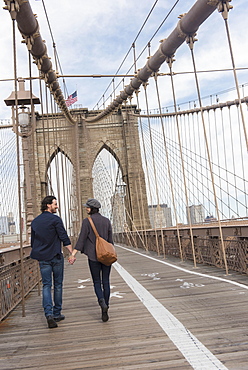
(104, 308)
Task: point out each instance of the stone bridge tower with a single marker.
(118, 133)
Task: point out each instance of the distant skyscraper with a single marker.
(4, 225)
(7, 224)
(160, 215)
(11, 224)
(196, 214)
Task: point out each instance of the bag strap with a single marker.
(93, 227)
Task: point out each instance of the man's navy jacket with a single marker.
(47, 234)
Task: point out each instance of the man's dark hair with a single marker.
(93, 210)
(47, 200)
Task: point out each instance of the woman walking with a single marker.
(87, 244)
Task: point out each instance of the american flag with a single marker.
(71, 99)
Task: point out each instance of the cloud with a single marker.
(94, 37)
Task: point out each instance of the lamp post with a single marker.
(23, 129)
(23, 126)
(24, 123)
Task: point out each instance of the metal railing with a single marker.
(11, 291)
(207, 245)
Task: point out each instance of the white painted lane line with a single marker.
(197, 355)
(185, 270)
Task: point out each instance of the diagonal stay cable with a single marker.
(54, 44)
(165, 18)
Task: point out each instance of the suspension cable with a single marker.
(54, 46)
(170, 61)
(130, 48)
(224, 8)
(190, 41)
(168, 167)
(15, 116)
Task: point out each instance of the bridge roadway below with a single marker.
(164, 314)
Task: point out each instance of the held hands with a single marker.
(71, 259)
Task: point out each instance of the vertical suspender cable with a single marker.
(18, 170)
(125, 122)
(77, 167)
(48, 164)
(33, 120)
(77, 201)
(143, 214)
(134, 57)
(169, 61)
(65, 186)
(154, 170)
(43, 133)
(190, 42)
(211, 156)
(217, 157)
(56, 152)
(224, 10)
(145, 154)
(168, 168)
(225, 157)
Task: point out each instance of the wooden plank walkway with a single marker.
(213, 311)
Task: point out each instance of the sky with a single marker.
(93, 37)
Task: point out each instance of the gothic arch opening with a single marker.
(60, 184)
(109, 188)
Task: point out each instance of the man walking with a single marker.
(47, 234)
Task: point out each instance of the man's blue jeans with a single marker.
(52, 273)
(100, 276)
